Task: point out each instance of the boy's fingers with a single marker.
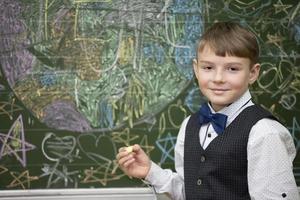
(121, 154)
(128, 162)
(121, 160)
(125, 161)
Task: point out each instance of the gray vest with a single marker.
(220, 171)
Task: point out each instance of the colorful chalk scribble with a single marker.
(98, 65)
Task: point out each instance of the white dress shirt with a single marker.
(270, 153)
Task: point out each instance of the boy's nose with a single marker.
(218, 76)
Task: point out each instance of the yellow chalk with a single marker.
(129, 149)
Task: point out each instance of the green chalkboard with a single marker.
(81, 78)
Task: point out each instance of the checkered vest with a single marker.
(220, 171)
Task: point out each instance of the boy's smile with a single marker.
(223, 79)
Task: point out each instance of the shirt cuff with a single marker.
(156, 175)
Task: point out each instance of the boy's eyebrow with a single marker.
(229, 63)
(204, 61)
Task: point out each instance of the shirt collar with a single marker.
(236, 107)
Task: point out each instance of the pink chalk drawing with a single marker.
(13, 143)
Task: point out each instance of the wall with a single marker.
(81, 78)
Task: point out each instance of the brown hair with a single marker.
(229, 38)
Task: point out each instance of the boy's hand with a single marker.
(134, 161)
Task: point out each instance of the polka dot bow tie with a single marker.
(217, 120)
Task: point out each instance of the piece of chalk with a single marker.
(129, 149)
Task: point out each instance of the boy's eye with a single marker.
(232, 68)
(206, 67)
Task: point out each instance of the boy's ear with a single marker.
(195, 66)
(254, 73)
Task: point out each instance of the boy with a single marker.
(231, 149)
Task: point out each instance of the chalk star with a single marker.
(101, 174)
(166, 145)
(145, 145)
(124, 137)
(280, 7)
(14, 142)
(56, 175)
(21, 179)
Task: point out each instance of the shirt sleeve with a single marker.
(271, 152)
(165, 180)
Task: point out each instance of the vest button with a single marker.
(202, 158)
(199, 181)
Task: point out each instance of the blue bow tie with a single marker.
(217, 120)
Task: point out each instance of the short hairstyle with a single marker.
(229, 38)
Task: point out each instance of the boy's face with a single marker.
(223, 80)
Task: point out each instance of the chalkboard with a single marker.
(81, 78)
